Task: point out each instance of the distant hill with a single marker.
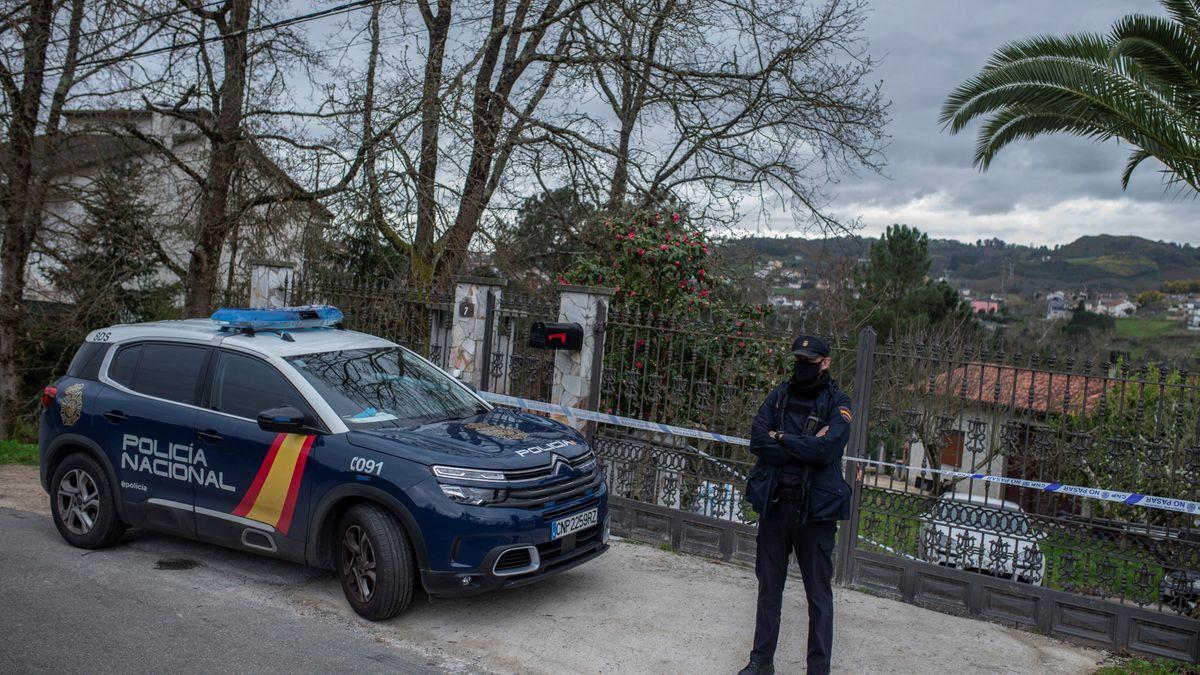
(1101, 262)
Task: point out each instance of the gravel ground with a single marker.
(637, 609)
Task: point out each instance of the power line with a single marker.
(282, 23)
(135, 22)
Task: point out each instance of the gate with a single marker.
(931, 421)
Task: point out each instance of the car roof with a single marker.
(269, 343)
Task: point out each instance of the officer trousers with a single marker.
(779, 534)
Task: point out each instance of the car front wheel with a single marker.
(82, 503)
(374, 562)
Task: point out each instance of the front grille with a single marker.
(584, 463)
(549, 493)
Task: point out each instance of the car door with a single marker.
(265, 506)
(148, 410)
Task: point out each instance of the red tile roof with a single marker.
(1022, 388)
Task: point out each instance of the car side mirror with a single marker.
(284, 419)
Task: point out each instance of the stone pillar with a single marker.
(472, 329)
(577, 374)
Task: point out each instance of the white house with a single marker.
(1056, 307)
(96, 140)
(1118, 307)
(990, 419)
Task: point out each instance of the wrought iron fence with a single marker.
(418, 318)
(1094, 423)
(703, 371)
(516, 368)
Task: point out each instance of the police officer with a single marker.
(796, 487)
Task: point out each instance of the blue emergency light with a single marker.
(278, 318)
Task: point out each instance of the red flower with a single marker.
(704, 293)
(675, 217)
(638, 365)
(630, 235)
(641, 251)
(662, 247)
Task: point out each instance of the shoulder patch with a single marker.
(845, 413)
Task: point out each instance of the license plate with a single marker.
(580, 521)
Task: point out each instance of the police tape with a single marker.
(1127, 498)
(593, 416)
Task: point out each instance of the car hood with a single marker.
(499, 439)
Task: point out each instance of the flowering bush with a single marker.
(675, 352)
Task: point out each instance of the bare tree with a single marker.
(461, 114)
(231, 80)
(52, 53)
(717, 100)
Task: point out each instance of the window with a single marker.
(246, 386)
(165, 371)
(122, 366)
(385, 387)
(86, 364)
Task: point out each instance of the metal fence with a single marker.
(1115, 574)
(516, 369)
(418, 318)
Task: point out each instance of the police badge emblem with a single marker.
(495, 431)
(70, 404)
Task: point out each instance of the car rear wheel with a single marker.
(374, 562)
(82, 503)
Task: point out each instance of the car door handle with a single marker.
(210, 436)
(115, 416)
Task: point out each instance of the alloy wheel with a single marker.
(358, 563)
(78, 501)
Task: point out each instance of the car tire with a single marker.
(374, 562)
(83, 505)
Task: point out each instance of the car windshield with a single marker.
(387, 386)
(981, 517)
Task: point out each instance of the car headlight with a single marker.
(458, 473)
(471, 495)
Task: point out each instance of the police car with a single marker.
(280, 433)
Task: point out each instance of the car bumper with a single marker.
(552, 558)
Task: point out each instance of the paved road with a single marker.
(126, 610)
(637, 609)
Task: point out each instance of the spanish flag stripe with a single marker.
(247, 502)
(289, 504)
(268, 506)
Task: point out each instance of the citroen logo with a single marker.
(558, 464)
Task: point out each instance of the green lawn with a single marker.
(16, 452)
(1147, 327)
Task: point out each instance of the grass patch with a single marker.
(1139, 666)
(1147, 327)
(16, 452)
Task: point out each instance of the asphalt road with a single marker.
(160, 604)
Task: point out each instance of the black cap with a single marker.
(810, 347)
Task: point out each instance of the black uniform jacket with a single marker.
(827, 495)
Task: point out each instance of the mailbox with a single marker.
(556, 336)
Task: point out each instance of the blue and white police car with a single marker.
(279, 432)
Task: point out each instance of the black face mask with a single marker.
(805, 374)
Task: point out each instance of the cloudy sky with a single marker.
(1047, 191)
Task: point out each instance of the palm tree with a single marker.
(1140, 83)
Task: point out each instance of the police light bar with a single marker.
(278, 318)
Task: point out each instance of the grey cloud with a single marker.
(926, 48)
